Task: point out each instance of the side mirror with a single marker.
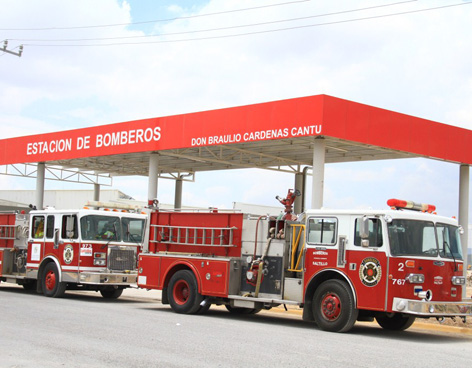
(364, 231)
(70, 227)
(56, 238)
(128, 234)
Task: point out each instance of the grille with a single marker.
(121, 260)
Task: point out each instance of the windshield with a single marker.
(133, 229)
(98, 227)
(449, 241)
(422, 238)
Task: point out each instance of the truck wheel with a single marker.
(240, 310)
(395, 322)
(183, 293)
(111, 293)
(334, 308)
(51, 285)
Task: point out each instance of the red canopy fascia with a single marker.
(319, 115)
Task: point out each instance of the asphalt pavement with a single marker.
(84, 330)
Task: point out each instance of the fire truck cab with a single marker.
(340, 266)
(54, 250)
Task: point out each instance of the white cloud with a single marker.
(14, 126)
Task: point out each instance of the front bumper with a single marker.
(432, 309)
(96, 278)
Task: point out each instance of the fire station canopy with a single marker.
(277, 135)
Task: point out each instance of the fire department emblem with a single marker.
(370, 271)
(68, 253)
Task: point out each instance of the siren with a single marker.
(399, 203)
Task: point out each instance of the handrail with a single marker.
(199, 210)
(296, 237)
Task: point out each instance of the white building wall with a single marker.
(62, 199)
(260, 210)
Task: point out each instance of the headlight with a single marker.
(458, 280)
(99, 259)
(99, 262)
(415, 278)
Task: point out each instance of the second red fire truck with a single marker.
(339, 266)
(55, 250)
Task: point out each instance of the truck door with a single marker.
(321, 244)
(368, 264)
(37, 243)
(68, 249)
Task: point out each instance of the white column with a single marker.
(40, 176)
(297, 205)
(464, 179)
(153, 174)
(96, 192)
(178, 193)
(319, 153)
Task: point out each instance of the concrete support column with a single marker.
(464, 179)
(153, 174)
(40, 177)
(178, 194)
(319, 153)
(96, 192)
(297, 205)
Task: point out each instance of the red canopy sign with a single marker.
(306, 116)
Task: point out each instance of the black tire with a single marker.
(111, 292)
(395, 322)
(50, 282)
(334, 308)
(183, 294)
(240, 310)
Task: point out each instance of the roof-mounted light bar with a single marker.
(399, 204)
(113, 206)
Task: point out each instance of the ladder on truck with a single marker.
(7, 235)
(7, 232)
(193, 235)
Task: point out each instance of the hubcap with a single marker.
(331, 307)
(50, 280)
(181, 292)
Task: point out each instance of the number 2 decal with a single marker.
(401, 267)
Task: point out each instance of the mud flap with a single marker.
(164, 298)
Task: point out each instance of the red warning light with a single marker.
(399, 203)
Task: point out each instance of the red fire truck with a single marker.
(339, 266)
(54, 250)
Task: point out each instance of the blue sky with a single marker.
(147, 10)
(417, 63)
